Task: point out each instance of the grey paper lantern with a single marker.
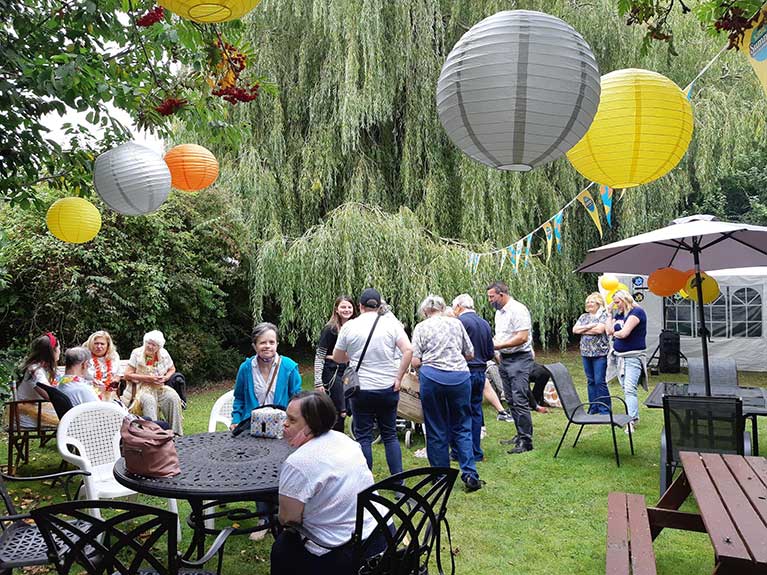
(131, 179)
(518, 90)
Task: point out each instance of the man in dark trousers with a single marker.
(514, 341)
(481, 336)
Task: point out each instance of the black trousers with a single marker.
(539, 377)
(331, 381)
(515, 374)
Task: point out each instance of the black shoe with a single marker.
(472, 483)
(520, 448)
(513, 441)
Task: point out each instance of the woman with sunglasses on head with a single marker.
(328, 373)
(38, 367)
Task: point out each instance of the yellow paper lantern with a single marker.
(210, 11)
(709, 287)
(73, 220)
(641, 131)
(192, 167)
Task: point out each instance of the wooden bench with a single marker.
(629, 543)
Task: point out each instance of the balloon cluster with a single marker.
(608, 285)
(666, 282)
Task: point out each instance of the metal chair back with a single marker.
(723, 375)
(410, 509)
(61, 403)
(568, 395)
(222, 411)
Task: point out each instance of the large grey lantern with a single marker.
(131, 179)
(518, 90)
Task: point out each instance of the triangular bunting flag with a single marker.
(527, 249)
(518, 249)
(549, 231)
(503, 259)
(588, 202)
(606, 193)
(557, 220)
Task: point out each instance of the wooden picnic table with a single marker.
(731, 493)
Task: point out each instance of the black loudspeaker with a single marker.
(668, 359)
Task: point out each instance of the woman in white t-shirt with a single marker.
(319, 483)
(38, 367)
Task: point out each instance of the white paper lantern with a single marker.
(131, 179)
(518, 90)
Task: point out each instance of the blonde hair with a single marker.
(597, 297)
(111, 352)
(626, 297)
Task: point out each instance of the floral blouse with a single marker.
(594, 345)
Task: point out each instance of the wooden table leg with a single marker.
(672, 500)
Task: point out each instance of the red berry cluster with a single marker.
(735, 23)
(151, 17)
(170, 106)
(234, 95)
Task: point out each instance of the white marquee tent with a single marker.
(737, 320)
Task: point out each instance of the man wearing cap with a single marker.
(514, 341)
(380, 374)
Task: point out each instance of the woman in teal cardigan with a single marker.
(266, 378)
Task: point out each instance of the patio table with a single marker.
(731, 493)
(754, 401)
(217, 468)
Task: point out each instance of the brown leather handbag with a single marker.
(148, 449)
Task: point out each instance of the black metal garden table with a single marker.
(217, 468)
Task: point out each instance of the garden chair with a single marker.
(93, 430)
(61, 403)
(222, 411)
(410, 509)
(723, 375)
(577, 411)
(21, 435)
(21, 544)
(704, 424)
(133, 538)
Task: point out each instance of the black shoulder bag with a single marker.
(351, 379)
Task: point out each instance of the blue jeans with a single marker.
(477, 417)
(447, 415)
(595, 369)
(632, 370)
(369, 407)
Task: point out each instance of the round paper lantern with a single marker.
(709, 287)
(73, 220)
(210, 11)
(518, 90)
(192, 167)
(641, 131)
(666, 282)
(131, 179)
(608, 282)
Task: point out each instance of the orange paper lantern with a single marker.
(666, 282)
(192, 167)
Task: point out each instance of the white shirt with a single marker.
(325, 474)
(381, 362)
(138, 362)
(114, 364)
(27, 387)
(510, 319)
(260, 384)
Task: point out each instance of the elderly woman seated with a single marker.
(151, 367)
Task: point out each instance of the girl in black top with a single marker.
(327, 373)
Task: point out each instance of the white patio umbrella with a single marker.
(701, 242)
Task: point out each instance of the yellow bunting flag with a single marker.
(588, 202)
(754, 46)
(549, 230)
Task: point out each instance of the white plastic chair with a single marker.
(221, 412)
(93, 428)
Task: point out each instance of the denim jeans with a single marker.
(447, 415)
(477, 417)
(595, 369)
(371, 406)
(632, 371)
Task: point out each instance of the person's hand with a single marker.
(232, 426)
(397, 383)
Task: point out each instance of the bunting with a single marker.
(606, 193)
(527, 249)
(588, 202)
(557, 220)
(518, 250)
(549, 231)
(512, 256)
(503, 259)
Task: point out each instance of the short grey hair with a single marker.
(464, 300)
(75, 356)
(262, 328)
(431, 303)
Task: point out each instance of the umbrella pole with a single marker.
(701, 315)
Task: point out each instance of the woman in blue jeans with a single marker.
(595, 345)
(441, 347)
(629, 330)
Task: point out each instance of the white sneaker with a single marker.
(420, 453)
(483, 432)
(629, 426)
(505, 416)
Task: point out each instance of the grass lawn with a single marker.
(536, 515)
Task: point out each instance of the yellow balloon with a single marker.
(609, 296)
(622, 286)
(709, 287)
(73, 220)
(608, 282)
(641, 131)
(210, 11)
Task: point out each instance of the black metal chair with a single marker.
(21, 543)
(723, 374)
(409, 509)
(130, 538)
(577, 410)
(61, 403)
(706, 424)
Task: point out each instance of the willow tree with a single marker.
(355, 122)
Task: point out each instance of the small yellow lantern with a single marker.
(210, 11)
(73, 220)
(192, 167)
(641, 131)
